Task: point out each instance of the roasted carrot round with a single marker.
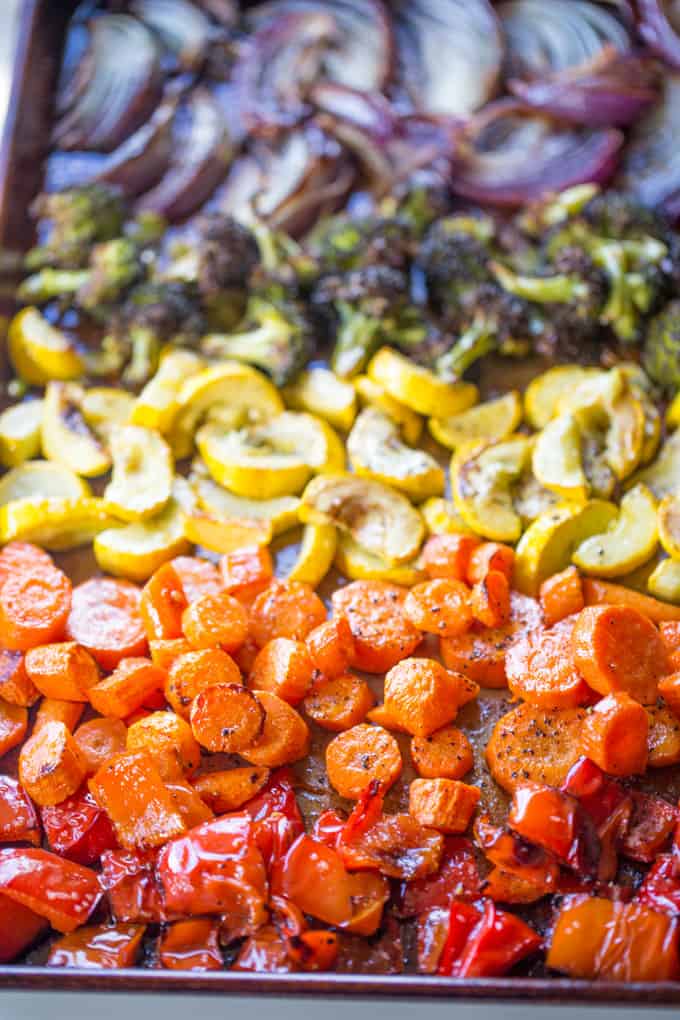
(289, 609)
(605, 593)
(15, 684)
(162, 603)
(561, 595)
(22, 557)
(283, 667)
(444, 804)
(215, 620)
(490, 599)
(191, 673)
(285, 735)
(65, 670)
(331, 647)
(198, 577)
(50, 766)
(382, 634)
(539, 745)
(669, 689)
(490, 556)
(105, 619)
(169, 740)
(246, 572)
(445, 754)
(361, 755)
(98, 740)
(55, 710)
(34, 607)
(340, 703)
(230, 789)
(618, 649)
(226, 717)
(615, 735)
(540, 668)
(131, 686)
(164, 651)
(440, 606)
(663, 743)
(448, 555)
(13, 726)
(423, 696)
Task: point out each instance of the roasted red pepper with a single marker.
(19, 928)
(191, 945)
(276, 817)
(514, 854)
(651, 824)
(485, 943)
(63, 892)
(77, 828)
(555, 821)
(660, 889)
(18, 818)
(458, 876)
(609, 807)
(129, 880)
(107, 946)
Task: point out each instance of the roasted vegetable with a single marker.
(661, 355)
(77, 218)
(494, 321)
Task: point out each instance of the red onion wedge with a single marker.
(362, 53)
(202, 152)
(115, 88)
(450, 54)
(183, 29)
(225, 12)
(659, 26)
(510, 154)
(140, 162)
(651, 163)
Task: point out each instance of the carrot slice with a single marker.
(616, 648)
(215, 620)
(229, 790)
(65, 671)
(490, 599)
(423, 696)
(162, 603)
(561, 595)
(191, 945)
(615, 735)
(331, 647)
(360, 756)
(127, 689)
(445, 754)
(192, 673)
(505, 887)
(34, 607)
(13, 726)
(381, 717)
(22, 557)
(226, 717)
(340, 703)
(538, 745)
(170, 742)
(98, 740)
(197, 577)
(663, 742)
(105, 619)
(448, 555)
(16, 686)
(669, 689)
(480, 654)
(55, 710)
(289, 609)
(50, 765)
(669, 631)
(441, 606)
(247, 572)
(164, 651)
(600, 593)
(540, 668)
(283, 667)
(382, 633)
(129, 788)
(444, 804)
(192, 808)
(284, 738)
(490, 556)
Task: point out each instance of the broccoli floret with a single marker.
(661, 352)
(620, 217)
(419, 207)
(454, 259)
(77, 218)
(344, 243)
(113, 267)
(555, 209)
(280, 340)
(221, 256)
(499, 322)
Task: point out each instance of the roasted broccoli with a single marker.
(77, 219)
(497, 322)
(345, 242)
(279, 340)
(621, 217)
(221, 256)
(661, 352)
(113, 266)
(454, 259)
(555, 209)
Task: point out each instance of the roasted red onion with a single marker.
(140, 162)
(659, 26)
(651, 164)
(115, 88)
(361, 55)
(450, 52)
(510, 154)
(365, 124)
(237, 194)
(201, 154)
(223, 11)
(183, 29)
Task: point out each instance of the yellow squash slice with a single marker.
(40, 480)
(488, 422)
(105, 407)
(56, 524)
(66, 437)
(376, 451)
(669, 525)
(358, 564)
(157, 404)
(136, 550)
(20, 432)
(543, 393)
(223, 536)
(372, 395)
(442, 518)
(142, 475)
(557, 462)
(662, 476)
(418, 388)
(664, 581)
(315, 557)
(323, 393)
(482, 480)
(40, 352)
(630, 540)
(281, 512)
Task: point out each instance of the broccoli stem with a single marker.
(256, 346)
(48, 284)
(619, 311)
(357, 339)
(479, 339)
(146, 349)
(558, 289)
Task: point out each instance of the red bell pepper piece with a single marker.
(649, 830)
(328, 828)
(432, 930)
(98, 946)
(129, 879)
(555, 821)
(77, 828)
(265, 953)
(63, 892)
(499, 941)
(514, 854)
(607, 804)
(458, 876)
(19, 928)
(463, 918)
(276, 816)
(18, 818)
(660, 889)
(192, 945)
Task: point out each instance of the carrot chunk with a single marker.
(65, 671)
(669, 631)
(381, 717)
(191, 945)
(226, 717)
(192, 808)
(34, 607)
(616, 648)
(289, 609)
(197, 577)
(605, 593)
(13, 726)
(102, 945)
(540, 668)
(231, 789)
(443, 804)
(285, 735)
(361, 755)
(170, 742)
(105, 619)
(16, 686)
(192, 673)
(530, 744)
(339, 704)
(215, 620)
(129, 788)
(162, 603)
(669, 689)
(164, 651)
(490, 556)
(127, 689)
(663, 743)
(441, 606)
(331, 647)
(615, 734)
(22, 557)
(54, 710)
(561, 595)
(247, 572)
(382, 633)
(448, 555)
(98, 740)
(423, 696)
(490, 600)
(283, 667)
(445, 754)
(50, 765)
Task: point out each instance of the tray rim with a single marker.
(32, 18)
